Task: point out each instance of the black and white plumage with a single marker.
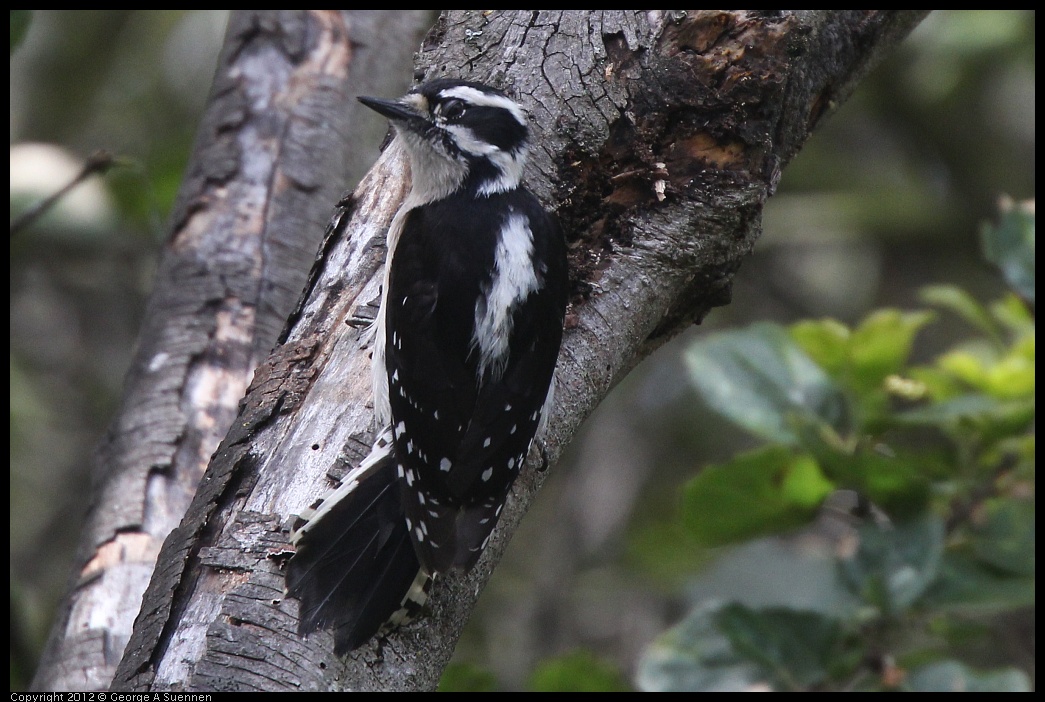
(467, 338)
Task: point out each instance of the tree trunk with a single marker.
(243, 233)
(658, 137)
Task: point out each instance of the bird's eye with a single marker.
(453, 109)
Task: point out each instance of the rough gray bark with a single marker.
(245, 229)
(659, 136)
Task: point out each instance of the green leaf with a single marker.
(967, 366)
(939, 384)
(1013, 314)
(1005, 539)
(694, 656)
(760, 379)
(957, 409)
(957, 300)
(1011, 377)
(952, 676)
(467, 677)
(827, 343)
(764, 491)
(894, 566)
(804, 486)
(867, 355)
(795, 649)
(966, 584)
(880, 346)
(898, 484)
(1010, 246)
(577, 671)
(1007, 375)
(990, 418)
(19, 26)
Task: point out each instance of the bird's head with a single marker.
(458, 134)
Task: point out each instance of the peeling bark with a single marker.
(243, 232)
(659, 137)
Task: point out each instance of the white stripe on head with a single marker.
(415, 101)
(478, 97)
(509, 163)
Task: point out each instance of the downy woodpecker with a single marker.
(467, 338)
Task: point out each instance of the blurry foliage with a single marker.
(942, 455)
(576, 671)
(882, 200)
(1010, 246)
(133, 84)
(19, 26)
(466, 677)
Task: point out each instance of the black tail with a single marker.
(355, 569)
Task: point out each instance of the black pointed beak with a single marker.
(392, 109)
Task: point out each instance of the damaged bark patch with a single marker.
(716, 105)
(592, 202)
(708, 118)
(690, 156)
(702, 30)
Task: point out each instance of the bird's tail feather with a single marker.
(355, 569)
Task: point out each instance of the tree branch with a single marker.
(659, 137)
(244, 231)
